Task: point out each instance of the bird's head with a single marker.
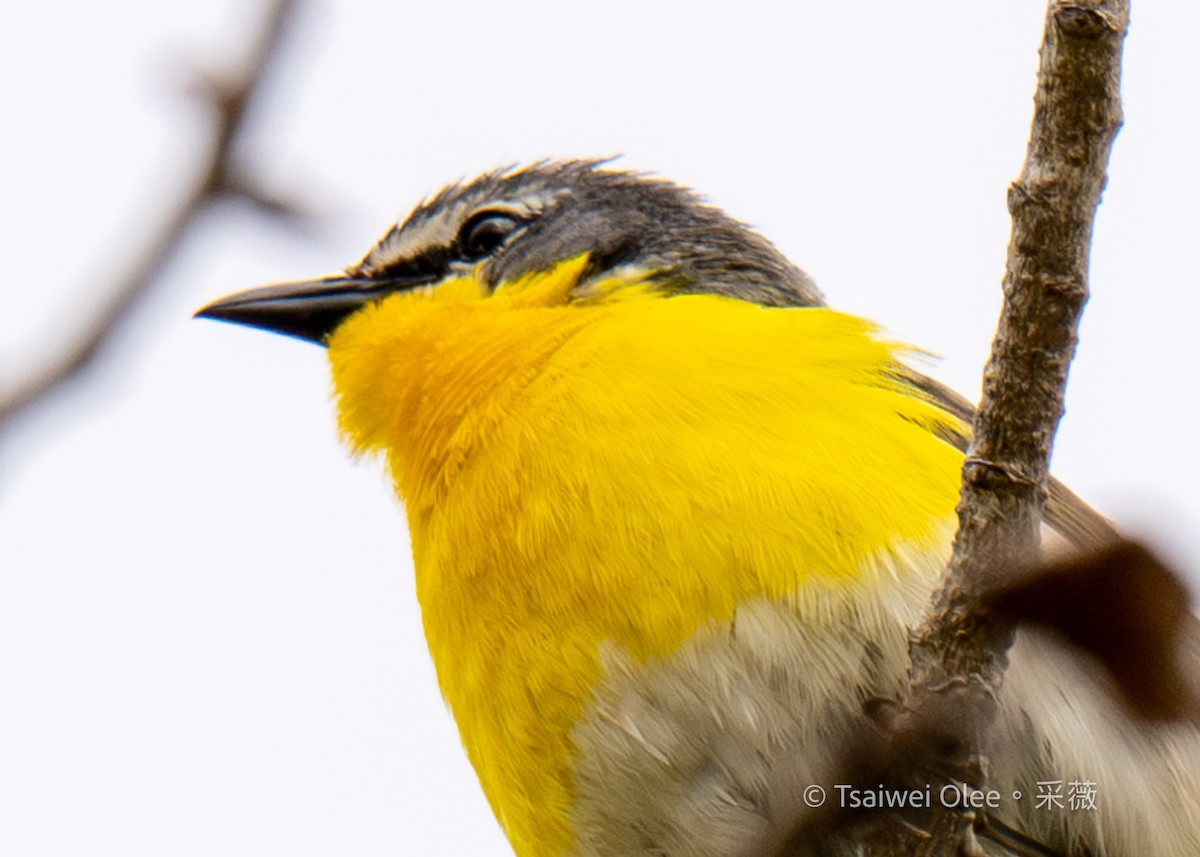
(512, 223)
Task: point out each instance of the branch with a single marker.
(959, 652)
(219, 178)
(1076, 116)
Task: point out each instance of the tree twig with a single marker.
(230, 99)
(959, 652)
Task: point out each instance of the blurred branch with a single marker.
(959, 652)
(230, 98)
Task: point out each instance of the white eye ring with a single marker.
(485, 232)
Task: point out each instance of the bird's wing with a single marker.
(1068, 515)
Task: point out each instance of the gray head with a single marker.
(516, 221)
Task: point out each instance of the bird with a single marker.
(672, 517)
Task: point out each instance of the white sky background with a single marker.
(208, 638)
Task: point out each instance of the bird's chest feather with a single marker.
(624, 478)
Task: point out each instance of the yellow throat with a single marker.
(624, 468)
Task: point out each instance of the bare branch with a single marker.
(230, 99)
(959, 653)
(1076, 116)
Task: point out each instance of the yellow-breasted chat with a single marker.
(671, 518)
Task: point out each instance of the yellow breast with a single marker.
(620, 473)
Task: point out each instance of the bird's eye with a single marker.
(485, 233)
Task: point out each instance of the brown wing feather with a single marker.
(1072, 518)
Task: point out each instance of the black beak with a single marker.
(309, 310)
